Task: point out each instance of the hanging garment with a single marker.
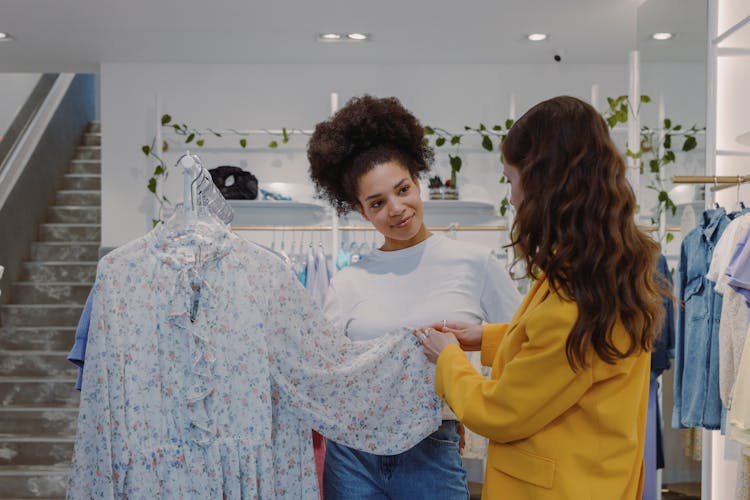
(696, 392)
(734, 317)
(77, 354)
(661, 356)
(207, 365)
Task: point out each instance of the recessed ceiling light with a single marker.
(360, 37)
(329, 36)
(5, 37)
(537, 37)
(662, 36)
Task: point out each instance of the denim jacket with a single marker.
(664, 345)
(696, 382)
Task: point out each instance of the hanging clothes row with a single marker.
(713, 288)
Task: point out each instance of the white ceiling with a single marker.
(78, 35)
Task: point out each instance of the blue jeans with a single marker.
(432, 470)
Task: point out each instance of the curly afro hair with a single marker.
(367, 132)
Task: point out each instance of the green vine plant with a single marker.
(490, 137)
(197, 138)
(656, 149)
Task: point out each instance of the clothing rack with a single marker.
(719, 181)
(363, 228)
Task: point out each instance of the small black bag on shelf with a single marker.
(235, 183)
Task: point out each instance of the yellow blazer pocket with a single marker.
(521, 464)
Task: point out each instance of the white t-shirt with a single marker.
(434, 280)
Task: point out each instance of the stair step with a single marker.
(79, 198)
(37, 338)
(64, 231)
(74, 182)
(88, 153)
(79, 214)
(40, 314)
(36, 364)
(24, 450)
(39, 421)
(79, 272)
(94, 127)
(27, 292)
(64, 251)
(29, 391)
(33, 481)
(92, 139)
(86, 167)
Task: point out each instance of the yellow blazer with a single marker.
(554, 433)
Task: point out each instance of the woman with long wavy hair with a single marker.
(565, 409)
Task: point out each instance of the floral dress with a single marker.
(207, 366)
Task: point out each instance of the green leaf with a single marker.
(482, 127)
(199, 142)
(677, 127)
(504, 206)
(690, 143)
(497, 128)
(612, 121)
(176, 127)
(154, 222)
(668, 141)
(663, 196)
(146, 150)
(466, 127)
(502, 179)
(508, 123)
(243, 143)
(152, 185)
(165, 119)
(456, 139)
(439, 141)
(645, 99)
(667, 123)
(190, 138)
(487, 142)
(669, 157)
(159, 170)
(654, 165)
(455, 163)
(610, 101)
(670, 237)
(428, 130)
(286, 135)
(273, 144)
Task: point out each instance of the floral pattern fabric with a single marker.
(207, 365)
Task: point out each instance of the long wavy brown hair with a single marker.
(576, 224)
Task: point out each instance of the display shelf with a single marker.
(459, 207)
(266, 212)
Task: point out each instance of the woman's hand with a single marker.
(433, 342)
(469, 335)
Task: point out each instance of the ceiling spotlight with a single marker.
(5, 37)
(537, 37)
(329, 36)
(662, 36)
(360, 37)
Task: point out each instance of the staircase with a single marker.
(38, 404)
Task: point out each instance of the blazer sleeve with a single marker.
(534, 387)
(492, 335)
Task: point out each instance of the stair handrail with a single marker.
(28, 126)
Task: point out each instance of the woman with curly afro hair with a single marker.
(368, 158)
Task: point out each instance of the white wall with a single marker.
(16, 88)
(297, 96)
